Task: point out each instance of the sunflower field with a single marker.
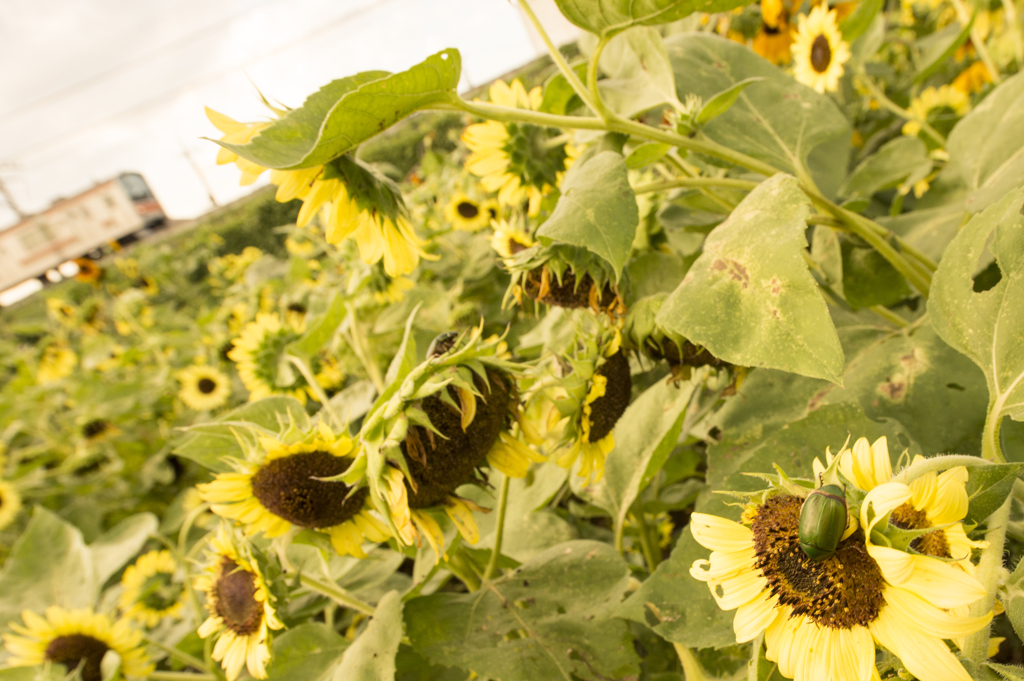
(696, 354)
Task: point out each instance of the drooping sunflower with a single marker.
(88, 270)
(469, 215)
(284, 489)
(823, 618)
(203, 387)
(941, 107)
(598, 393)
(257, 354)
(10, 503)
(564, 276)
(819, 50)
(77, 639)
(57, 362)
(642, 333)
(151, 590)
(240, 607)
(517, 160)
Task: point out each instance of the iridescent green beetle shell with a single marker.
(823, 522)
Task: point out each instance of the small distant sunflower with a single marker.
(819, 50)
(203, 387)
(590, 430)
(57, 362)
(467, 214)
(284, 490)
(151, 591)
(516, 160)
(973, 78)
(62, 311)
(88, 270)
(147, 285)
(241, 612)
(941, 107)
(774, 37)
(10, 503)
(77, 639)
(509, 240)
(98, 430)
(257, 354)
(237, 133)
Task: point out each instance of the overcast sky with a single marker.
(91, 88)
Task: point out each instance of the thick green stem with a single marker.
(937, 464)
(336, 594)
(652, 554)
(595, 94)
(499, 531)
(990, 448)
(890, 316)
(755, 658)
(989, 567)
(692, 671)
(557, 57)
(694, 182)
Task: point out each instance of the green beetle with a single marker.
(822, 522)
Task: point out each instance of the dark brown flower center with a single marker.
(493, 212)
(467, 209)
(78, 650)
(234, 598)
(906, 517)
(841, 592)
(606, 410)
(287, 488)
(95, 428)
(206, 386)
(821, 54)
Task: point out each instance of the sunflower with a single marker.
(394, 291)
(354, 200)
(823, 619)
(237, 133)
(257, 354)
(973, 78)
(98, 430)
(937, 500)
(285, 490)
(508, 240)
(10, 503)
(57, 362)
(468, 215)
(150, 591)
(819, 50)
(517, 160)
(77, 639)
(942, 107)
(774, 37)
(88, 270)
(606, 400)
(203, 387)
(241, 612)
(62, 311)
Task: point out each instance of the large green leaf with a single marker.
(987, 326)
(310, 652)
(749, 297)
(350, 110)
(897, 160)
(644, 437)
(608, 17)
(549, 619)
(639, 72)
(597, 210)
(928, 229)
(372, 656)
(777, 120)
(987, 145)
(51, 564)
(213, 444)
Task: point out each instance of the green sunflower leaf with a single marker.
(933, 50)
(372, 656)
(597, 210)
(721, 102)
(987, 325)
(897, 160)
(853, 26)
(549, 619)
(310, 651)
(987, 145)
(778, 120)
(639, 73)
(348, 111)
(608, 17)
(987, 489)
(750, 299)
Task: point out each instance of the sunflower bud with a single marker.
(822, 522)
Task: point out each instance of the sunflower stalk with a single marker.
(989, 568)
(592, 66)
(336, 593)
(692, 671)
(499, 530)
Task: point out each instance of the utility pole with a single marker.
(199, 174)
(10, 200)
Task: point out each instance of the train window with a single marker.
(136, 187)
(32, 239)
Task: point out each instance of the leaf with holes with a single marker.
(348, 111)
(549, 619)
(987, 326)
(749, 298)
